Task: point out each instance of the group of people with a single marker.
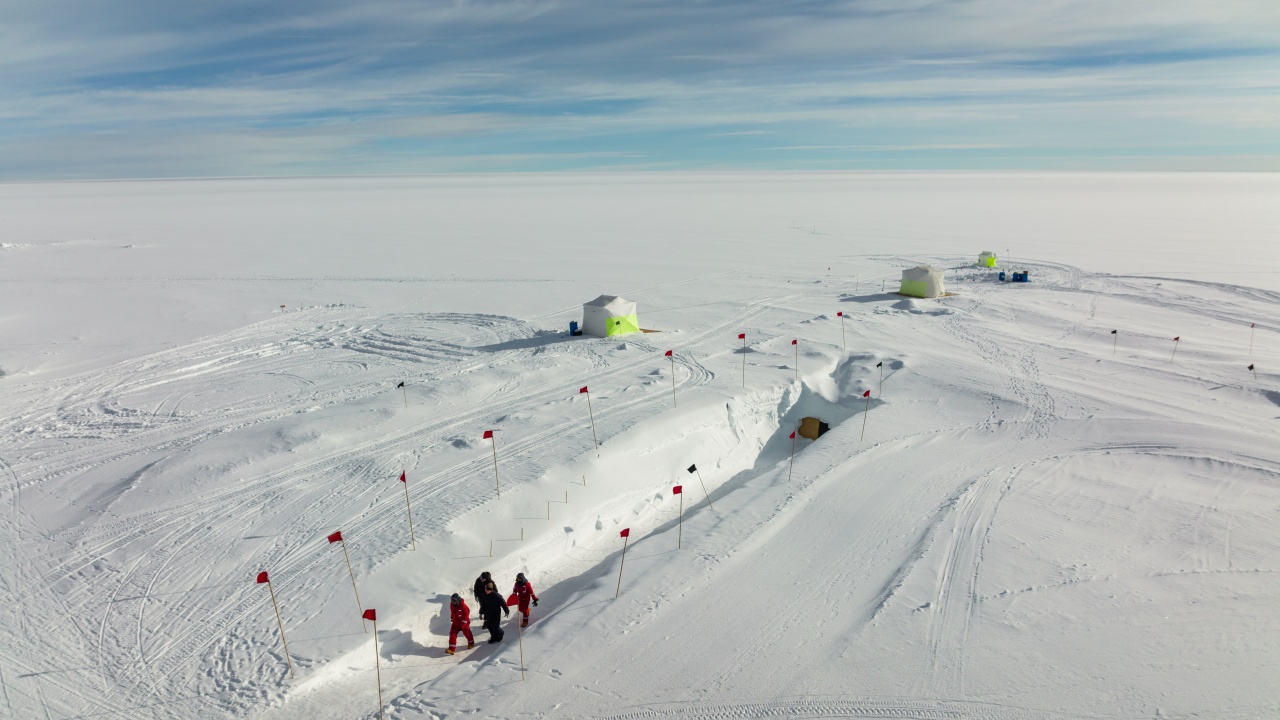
(492, 608)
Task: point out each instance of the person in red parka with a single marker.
(524, 592)
(460, 615)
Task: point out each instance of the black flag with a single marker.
(880, 364)
(693, 468)
(1113, 332)
(400, 385)
(1250, 366)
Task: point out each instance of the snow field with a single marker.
(1033, 527)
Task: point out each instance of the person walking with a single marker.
(460, 617)
(524, 593)
(491, 604)
(481, 581)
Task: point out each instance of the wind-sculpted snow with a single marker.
(1029, 517)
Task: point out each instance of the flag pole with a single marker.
(1175, 348)
(353, 583)
(281, 624)
(793, 455)
(626, 536)
(408, 508)
(797, 344)
(673, 378)
(406, 394)
(704, 488)
(377, 663)
(843, 344)
(680, 524)
(496, 486)
(865, 413)
(1252, 326)
(880, 392)
(743, 336)
(520, 639)
(1255, 372)
(1115, 340)
(593, 419)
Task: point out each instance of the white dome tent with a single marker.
(922, 281)
(609, 315)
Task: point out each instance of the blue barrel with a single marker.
(1001, 276)
(573, 327)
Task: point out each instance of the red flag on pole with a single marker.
(840, 314)
(793, 342)
(674, 491)
(487, 435)
(742, 336)
(626, 532)
(866, 394)
(667, 354)
(335, 537)
(370, 614)
(1177, 338)
(402, 478)
(262, 576)
(793, 434)
(584, 389)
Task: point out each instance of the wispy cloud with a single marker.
(151, 87)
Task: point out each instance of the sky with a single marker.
(155, 88)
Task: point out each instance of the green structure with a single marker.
(987, 259)
(609, 315)
(922, 281)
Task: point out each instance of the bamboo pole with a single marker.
(744, 360)
(704, 488)
(625, 539)
(793, 455)
(281, 624)
(1175, 348)
(496, 485)
(680, 524)
(1252, 327)
(865, 412)
(520, 640)
(673, 377)
(593, 420)
(843, 344)
(352, 573)
(377, 663)
(409, 510)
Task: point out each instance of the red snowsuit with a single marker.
(460, 614)
(524, 592)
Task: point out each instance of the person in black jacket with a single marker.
(491, 603)
(481, 581)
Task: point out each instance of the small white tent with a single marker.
(987, 259)
(922, 281)
(609, 315)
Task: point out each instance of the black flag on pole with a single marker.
(1113, 332)
(880, 364)
(693, 468)
(400, 385)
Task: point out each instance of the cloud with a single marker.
(330, 86)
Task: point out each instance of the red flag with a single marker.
(840, 314)
(487, 434)
(742, 336)
(1250, 324)
(370, 614)
(626, 532)
(402, 477)
(866, 394)
(335, 537)
(668, 354)
(793, 434)
(513, 600)
(584, 389)
(793, 342)
(262, 577)
(674, 491)
(1177, 338)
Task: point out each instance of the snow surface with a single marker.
(1035, 525)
